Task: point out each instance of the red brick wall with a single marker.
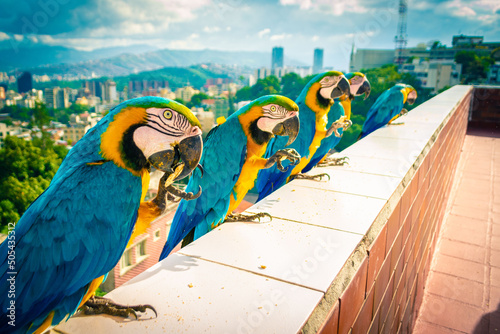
(386, 292)
(153, 249)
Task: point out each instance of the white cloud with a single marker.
(304, 4)
(463, 11)
(337, 7)
(315, 38)
(280, 37)
(211, 29)
(264, 32)
(193, 36)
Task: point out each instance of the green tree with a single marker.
(26, 172)
(267, 86)
(474, 67)
(243, 94)
(17, 113)
(197, 98)
(291, 85)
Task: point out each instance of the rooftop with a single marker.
(352, 253)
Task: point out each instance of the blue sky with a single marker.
(297, 25)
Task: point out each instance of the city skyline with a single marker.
(299, 26)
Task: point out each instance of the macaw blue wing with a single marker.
(56, 239)
(272, 178)
(389, 104)
(217, 184)
(336, 112)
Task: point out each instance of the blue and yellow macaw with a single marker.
(388, 107)
(314, 102)
(233, 155)
(75, 232)
(340, 110)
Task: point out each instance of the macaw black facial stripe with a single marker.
(172, 130)
(166, 127)
(165, 131)
(278, 113)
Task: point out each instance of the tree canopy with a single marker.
(474, 67)
(26, 172)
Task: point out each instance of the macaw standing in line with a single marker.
(233, 155)
(341, 109)
(314, 102)
(75, 232)
(388, 107)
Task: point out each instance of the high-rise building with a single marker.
(57, 97)
(369, 58)
(318, 61)
(94, 88)
(277, 58)
(109, 91)
(24, 82)
(49, 96)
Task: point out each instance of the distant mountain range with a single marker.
(123, 61)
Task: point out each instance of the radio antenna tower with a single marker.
(401, 37)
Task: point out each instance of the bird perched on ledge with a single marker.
(314, 102)
(232, 157)
(388, 107)
(341, 108)
(75, 232)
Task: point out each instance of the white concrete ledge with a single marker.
(270, 277)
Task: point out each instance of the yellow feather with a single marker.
(111, 140)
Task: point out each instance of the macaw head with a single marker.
(153, 131)
(270, 115)
(359, 84)
(412, 94)
(333, 84)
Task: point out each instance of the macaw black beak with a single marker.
(365, 88)
(188, 152)
(411, 100)
(289, 127)
(342, 88)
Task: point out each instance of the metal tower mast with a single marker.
(401, 37)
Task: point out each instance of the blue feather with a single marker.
(73, 233)
(222, 161)
(389, 104)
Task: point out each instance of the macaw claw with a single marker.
(317, 177)
(333, 162)
(284, 154)
(403, 112)
(342, 123)
(101, 305)
(182, 194)
(167, 191)
(231, 218)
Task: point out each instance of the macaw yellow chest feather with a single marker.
(254, 162)
(319, 135)
(346, 104)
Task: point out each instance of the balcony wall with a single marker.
(349, 253)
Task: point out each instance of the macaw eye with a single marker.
(273, 108)
(168, 114)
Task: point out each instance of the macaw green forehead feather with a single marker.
(270, 99)
(321, 76)
(158, 102)
(350, 75)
